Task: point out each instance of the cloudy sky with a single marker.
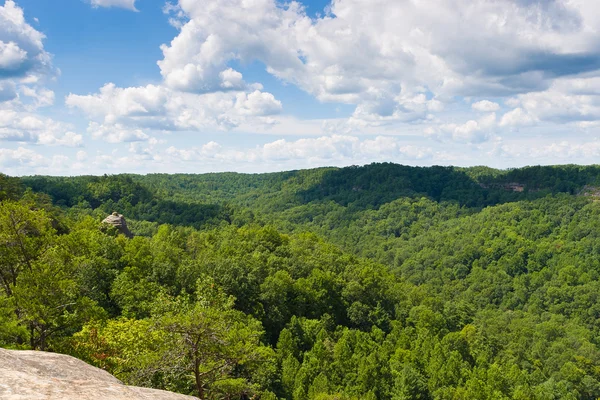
(107, 86)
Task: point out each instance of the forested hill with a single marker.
(376, 282)
(337, 203)
(362, 187)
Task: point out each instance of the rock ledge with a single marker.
(41, 375)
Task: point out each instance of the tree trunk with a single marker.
(199, 384)
(31, 337)
(43, 338)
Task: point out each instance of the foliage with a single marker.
(374, 282)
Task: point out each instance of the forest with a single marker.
(375, 282)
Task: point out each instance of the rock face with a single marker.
(118, 221)
(40, 375)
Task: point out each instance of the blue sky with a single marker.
(109, 86)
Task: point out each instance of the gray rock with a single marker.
(39, 375)
(118, 221)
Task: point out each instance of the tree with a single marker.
(24, 236)
(49, 299)
(10, 188)
(218, 345)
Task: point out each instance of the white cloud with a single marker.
(148, 150)
(31, 128)
(517, 117)
(405, 68)
(50, 138)
(309, 151)
(485, 106)
(11, 56)
(22, 53)
(81, 156)
(395, 74)
(24, 67)
(127, 4)
(360, 54)
(117, 105)
(231, 79)
(23, 160)
(550, 152)
(325, 147)
(565, 150)
(42, 97)
(210, 150)
(116, 133)
(257, 103)
(22, 157)
(566, 100)
(159, 108)
(472, 131)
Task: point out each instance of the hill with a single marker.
(375, 282)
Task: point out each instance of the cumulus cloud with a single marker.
(118, 105)
(257, 103)
(310, 151)
(472, 131)
(156, 107)
(427, 67)
(23, 160)
(548, 152)
(358, 53)
(81, 156)
(42, 97)
(24, 68)
(21, 157)
(116, 133)
(485, 106)
(11, 56)
(22, 53)
(517, 117)
(30, 128)
(566, 100)
(566, 150)
(127, 4)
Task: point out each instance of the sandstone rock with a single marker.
(40, 375)
(118, 221)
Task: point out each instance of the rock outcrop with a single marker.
(118, 221)
(511, 186)
(40, 375)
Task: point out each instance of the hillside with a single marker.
(374, 282)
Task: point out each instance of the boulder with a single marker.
(40, 375)
(118, 221)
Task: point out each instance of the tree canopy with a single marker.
(375, 282)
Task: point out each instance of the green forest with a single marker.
(376, 282)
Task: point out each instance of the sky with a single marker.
(144, 86)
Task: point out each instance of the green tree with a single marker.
(218, 345)
(24, 236)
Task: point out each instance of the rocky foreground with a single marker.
(41, 375)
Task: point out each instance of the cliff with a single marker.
(40, 375)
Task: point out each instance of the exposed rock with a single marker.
(591, 191)
(40, 375)
(515, 187)
(511, 186)
(118, 221)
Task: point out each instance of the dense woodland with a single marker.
(374, 282)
